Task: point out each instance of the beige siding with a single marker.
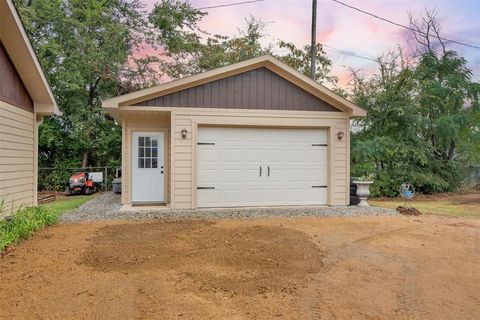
(184, 157)
(17, 156)
(181, 153)
(340, 165)
(182, 162)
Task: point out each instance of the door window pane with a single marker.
(147, 152)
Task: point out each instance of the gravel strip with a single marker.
(107, 207)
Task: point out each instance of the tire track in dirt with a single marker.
(114, 294)
(315, 300)
(410, 301)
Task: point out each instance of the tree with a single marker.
(422, 123)
(198, 55)
(88, 50)
(83, 46)
(300, 59)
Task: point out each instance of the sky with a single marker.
(343, 28)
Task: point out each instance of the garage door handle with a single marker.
(260, 170)
(268, 174)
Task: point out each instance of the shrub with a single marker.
(24, 223)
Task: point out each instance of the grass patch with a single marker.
(442, 207)
(61, 206)
(24, 223)
(28, 220)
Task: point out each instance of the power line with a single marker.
(403, 26)
(349, 53)
(229, 4)
(345, 52)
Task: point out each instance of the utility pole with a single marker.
(314, 37)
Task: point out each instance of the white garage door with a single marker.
(261, 167)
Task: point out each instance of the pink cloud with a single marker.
(343, 28)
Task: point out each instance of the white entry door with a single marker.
(147, 167)
(257, 167)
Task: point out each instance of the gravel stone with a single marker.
(107, 206)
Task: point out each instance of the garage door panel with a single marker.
(208, 176)
(251, 155)
(292, 175)
(272, 156)
(232, 175)
(254, 196)
(209, 197)
(318, 153)
(233, 167)
(232, 154)
(295, 155)
(316, 175)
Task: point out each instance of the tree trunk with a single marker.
(451, 151)
(85, 159)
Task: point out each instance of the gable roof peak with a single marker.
(267, 61)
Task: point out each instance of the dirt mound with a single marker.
(410, 211)
(239, 260)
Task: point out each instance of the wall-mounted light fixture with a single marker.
(184, 133)
(340, 135)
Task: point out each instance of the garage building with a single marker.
(25, 98)
(255, 133)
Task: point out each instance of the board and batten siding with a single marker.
(17, 156)
(12, 89)
(255, 89)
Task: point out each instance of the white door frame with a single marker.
(159, 172)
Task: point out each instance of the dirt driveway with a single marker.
(311, 268)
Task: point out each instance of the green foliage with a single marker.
(422, 123)
(84, 47)
(88, 50)
(176, 23)
(61, 206)
(199, 55)
(221, 51)
(24, 223)
(300, 59)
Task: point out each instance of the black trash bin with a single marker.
(354, 199)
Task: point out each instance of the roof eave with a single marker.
(25, 60)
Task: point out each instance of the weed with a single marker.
(24, 223)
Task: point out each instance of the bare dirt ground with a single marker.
(306, 268)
